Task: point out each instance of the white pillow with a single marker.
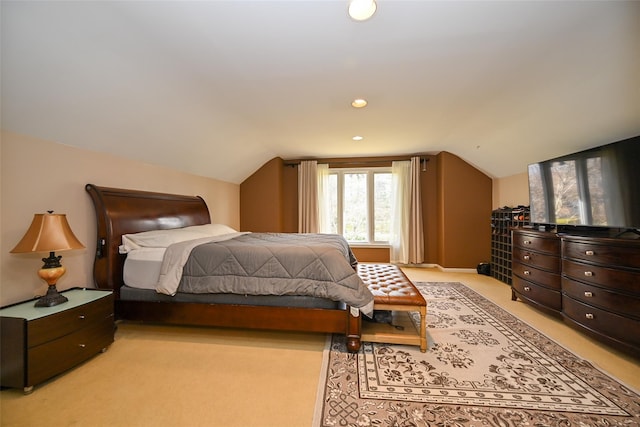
(164, 238)
(211, 229)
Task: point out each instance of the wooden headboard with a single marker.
(120, 211)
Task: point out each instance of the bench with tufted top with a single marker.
(393, 291)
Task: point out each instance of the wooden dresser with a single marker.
(601, 289)
(536, 269)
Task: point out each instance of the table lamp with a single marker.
(49, 233)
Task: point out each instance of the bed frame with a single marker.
(120, 211)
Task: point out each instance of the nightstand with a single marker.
(38, 343)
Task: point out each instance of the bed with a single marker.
(124, 212)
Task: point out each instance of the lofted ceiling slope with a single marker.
(217, 88)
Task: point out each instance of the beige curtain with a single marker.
(324, 197)
(407, 241)
(308, 197)
(416, 234)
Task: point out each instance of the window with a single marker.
(359, 205)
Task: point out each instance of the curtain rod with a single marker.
(355, 161)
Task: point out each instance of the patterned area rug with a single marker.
(484, 367)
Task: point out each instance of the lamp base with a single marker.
(52, 298)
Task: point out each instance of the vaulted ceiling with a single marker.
(217, 88)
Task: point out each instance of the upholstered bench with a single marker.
(393, 291)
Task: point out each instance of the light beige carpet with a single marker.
(161, 376)
(483, 367)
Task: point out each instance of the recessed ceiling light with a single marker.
(359, 103)
(358, 138)
(361, 10)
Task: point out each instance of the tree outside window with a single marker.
(360, 204)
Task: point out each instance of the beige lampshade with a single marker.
(48, 233)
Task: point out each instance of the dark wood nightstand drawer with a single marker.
(611, 325)
(616, 279)
(54, 357)
(536, 242)
(60, 324)
(535, 275)
(535, 259)
(538, 294)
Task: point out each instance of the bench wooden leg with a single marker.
(423, 329)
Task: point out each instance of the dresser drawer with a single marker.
(536, 242)
(608, 255)
(611, 325)
(539, 294)
(535, 275)
(59, 355)
(538, 260)
(65, 322)
(622, 280)
(604, 298)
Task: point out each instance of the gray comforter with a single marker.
(320, 265)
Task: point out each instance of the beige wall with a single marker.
(39, 175)
(511, 191)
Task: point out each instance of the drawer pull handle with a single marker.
(527, 242)
(527, 289)
(589, 253)
(82, 345)
(589, 316)
(588, 294)
(526, 257)
(81, 317)
(588, 273)
(527, 273)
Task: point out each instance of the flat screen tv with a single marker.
(599, 187)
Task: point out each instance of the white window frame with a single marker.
(370, 172)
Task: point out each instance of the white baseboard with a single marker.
(443, 269)
(458, 270)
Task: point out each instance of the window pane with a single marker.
(355, 207)
(333, 204)
(382, 207)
